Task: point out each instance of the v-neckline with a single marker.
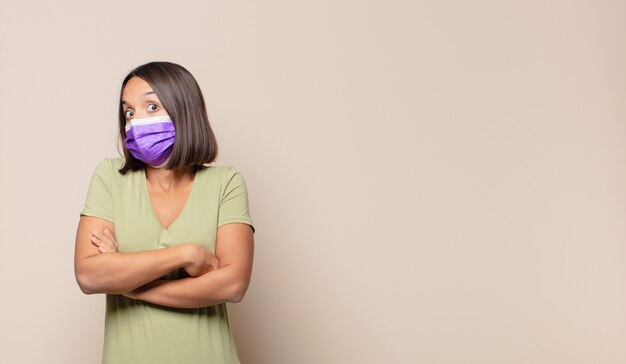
(181, 213)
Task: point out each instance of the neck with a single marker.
(168, 178)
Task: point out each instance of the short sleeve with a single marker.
(99, 201)
(234, 200)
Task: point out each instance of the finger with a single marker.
(103, 246)
(101, 238)
(109, 234)
(96, 241)
(105, 237)
(111, 237)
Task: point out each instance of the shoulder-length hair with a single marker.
(195, 143)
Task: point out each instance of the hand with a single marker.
(202, 260)
(106, 242)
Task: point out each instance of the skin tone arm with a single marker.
(118, 273)
(234, 250)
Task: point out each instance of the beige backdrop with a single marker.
(431, 182)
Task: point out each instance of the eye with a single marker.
(153, 107)
(129, 113)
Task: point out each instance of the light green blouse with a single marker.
(139, 332)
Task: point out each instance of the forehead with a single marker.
(136, 89)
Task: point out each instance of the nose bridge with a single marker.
(140, 114)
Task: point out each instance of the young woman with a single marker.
(167, 237)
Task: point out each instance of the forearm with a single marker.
(118, 273)
(217, 286)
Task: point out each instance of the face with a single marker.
(139, 100)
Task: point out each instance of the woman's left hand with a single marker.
(106, 242)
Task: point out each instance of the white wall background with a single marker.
(431, 181)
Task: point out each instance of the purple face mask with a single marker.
(151, 139)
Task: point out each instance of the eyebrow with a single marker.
(124, 102)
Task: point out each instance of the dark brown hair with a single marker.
(195, 142)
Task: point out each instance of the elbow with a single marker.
(88, 283)
(237, 292)
(85, 278)
(85, 283)
(236, 298)
(87, 291)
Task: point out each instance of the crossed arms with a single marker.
(219, 278)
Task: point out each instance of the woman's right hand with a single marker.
(201, 260)
(106, 242)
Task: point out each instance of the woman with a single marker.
(167, 237)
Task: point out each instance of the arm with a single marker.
(118, 273)
(234, 250)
